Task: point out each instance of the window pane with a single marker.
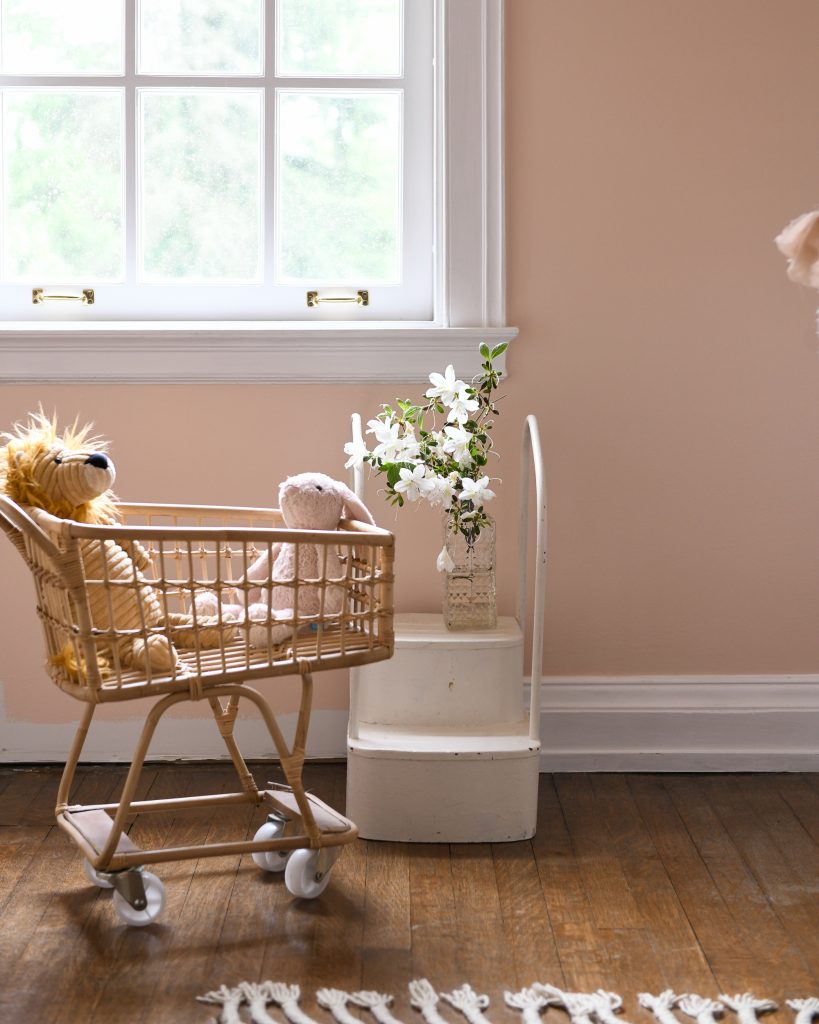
(52, 37)
(62, 178)
(200, 185)
(338, 186)
(200, 37)
(339, 37)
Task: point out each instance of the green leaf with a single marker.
(498, 350)
(484, 350)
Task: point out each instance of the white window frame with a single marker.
(469, 285)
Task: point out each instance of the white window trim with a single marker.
(470, 288)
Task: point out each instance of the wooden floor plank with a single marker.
(732, 964)
(803, 800)
(583, 956)
(612, 901)
(30, 797)
(673, 943)
(754, 924)
(526, 915)
(433, 915)
(782, 859)
(55, 951)
(386, 950)
(480, 920)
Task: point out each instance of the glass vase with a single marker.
(469, 587)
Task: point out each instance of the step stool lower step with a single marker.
(447, 789)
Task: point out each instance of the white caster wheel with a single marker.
(155, 895)
(270, 860)
(302, 876)
(93, 877)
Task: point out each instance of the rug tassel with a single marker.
(467, 1001)
(335, 1000)
(806, 1009)
(230, 1000)
(287, 997)
(257, 999)
(580, 1006)
(424, 998)
(661, 1005)
(704, 1010)
(530, 1001)
(378, 1005)
(606, 1005)
(746, 1007)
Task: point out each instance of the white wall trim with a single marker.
(588, 723)
(246, 352)
(680, 723)
(175, 739)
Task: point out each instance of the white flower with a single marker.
(476, 491)
(445, 562)
(390, 446)
(382, 429)
(443, 491)
(410, 447)
(356, 450)
(445, 386)
(415, 483)
(462, 405)
(457, 444)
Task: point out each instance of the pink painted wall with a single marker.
(654, 150)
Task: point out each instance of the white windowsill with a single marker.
(186, 352)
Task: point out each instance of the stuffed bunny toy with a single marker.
(308, 501)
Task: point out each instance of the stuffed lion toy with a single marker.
(70, 476)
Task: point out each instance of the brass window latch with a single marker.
(361, 298)
(40, 295)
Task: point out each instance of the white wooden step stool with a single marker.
(440, 748)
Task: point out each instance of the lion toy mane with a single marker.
(70, 476)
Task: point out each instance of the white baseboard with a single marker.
(680, 723)
(588, 723)
(175, 739)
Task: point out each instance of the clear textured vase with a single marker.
(469, 587)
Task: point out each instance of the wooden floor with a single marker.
(633, 883)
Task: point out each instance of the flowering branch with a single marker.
(442, 466)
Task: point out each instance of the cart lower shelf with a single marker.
(284, 843)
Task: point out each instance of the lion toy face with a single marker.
(69, 475)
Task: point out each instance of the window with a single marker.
(203, 159)
(204, 165)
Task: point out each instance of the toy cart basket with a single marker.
(179, 552)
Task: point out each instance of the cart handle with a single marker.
(19, 523)
(531, 456)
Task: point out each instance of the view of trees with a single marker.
(200, 191)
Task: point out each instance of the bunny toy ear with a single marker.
(354, 507)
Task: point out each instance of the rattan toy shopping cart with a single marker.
(190, 550)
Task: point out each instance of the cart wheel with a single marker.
(270, 860)
(301, 875)
(93, 877)
(155, 895)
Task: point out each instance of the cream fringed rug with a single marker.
(249, 1002)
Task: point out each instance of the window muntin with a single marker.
(382, 230)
